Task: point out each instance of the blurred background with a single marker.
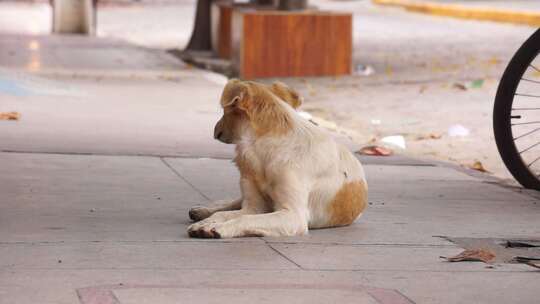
(420, 84)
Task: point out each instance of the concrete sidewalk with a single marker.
(81, 228)
(99, 173)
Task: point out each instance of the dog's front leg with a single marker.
(252, 203)
(198, 213)
(290, 218)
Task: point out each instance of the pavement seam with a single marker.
(482, 177)
(8, 268)
(233, 242)
(283, 255)
(184, 179)
(115, 154)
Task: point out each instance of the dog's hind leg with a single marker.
(198, 213)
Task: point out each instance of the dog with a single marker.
(293, 175)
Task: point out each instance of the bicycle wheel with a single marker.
(516, 114)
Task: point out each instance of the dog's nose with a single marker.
(218, 135)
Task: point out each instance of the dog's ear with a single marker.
(259, 103)
(287, 94)
(234, 94)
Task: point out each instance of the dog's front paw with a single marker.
(207, 231)
(199, 213)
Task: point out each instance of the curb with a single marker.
(466, 12)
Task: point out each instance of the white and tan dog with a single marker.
(294, 176)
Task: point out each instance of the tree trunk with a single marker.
(200, 38)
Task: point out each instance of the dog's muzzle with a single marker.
(219, 133)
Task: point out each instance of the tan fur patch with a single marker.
(234, 88)
(287, 94)
(266, 114)
(348, 203)
(250, 173)
(246, 171)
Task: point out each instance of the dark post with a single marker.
(292, 5)
(200, 37)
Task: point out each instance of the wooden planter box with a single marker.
(270, 43)
(221, 13)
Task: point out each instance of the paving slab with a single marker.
(223, 182)
(65, 285)
(51, 197)
(408, 173)
(247, 295)
(447, 190)
(421, 221)
(393, 160)
(461, 287)
(105, 96)
(142, 255)
(381, 258)
(37, 53)
(117, 116)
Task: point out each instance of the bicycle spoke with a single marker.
(528, 133)
(530, 147)
(527, 95)
(524, 109)
(530, 80)
(532, 66)
(525, 123)
(529, 165)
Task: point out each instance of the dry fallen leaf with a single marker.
(528, 261)
(477, 165)
(532, 264)
(9, 116)
(388, 70)
(375, 151)
(494, 61)
(459, 86)
(475, 255)
(522, 244)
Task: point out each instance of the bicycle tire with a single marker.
(502, 111)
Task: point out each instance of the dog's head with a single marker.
(250, 106)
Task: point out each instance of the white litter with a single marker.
(458, 131)
(395, 140)
(364, 70)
